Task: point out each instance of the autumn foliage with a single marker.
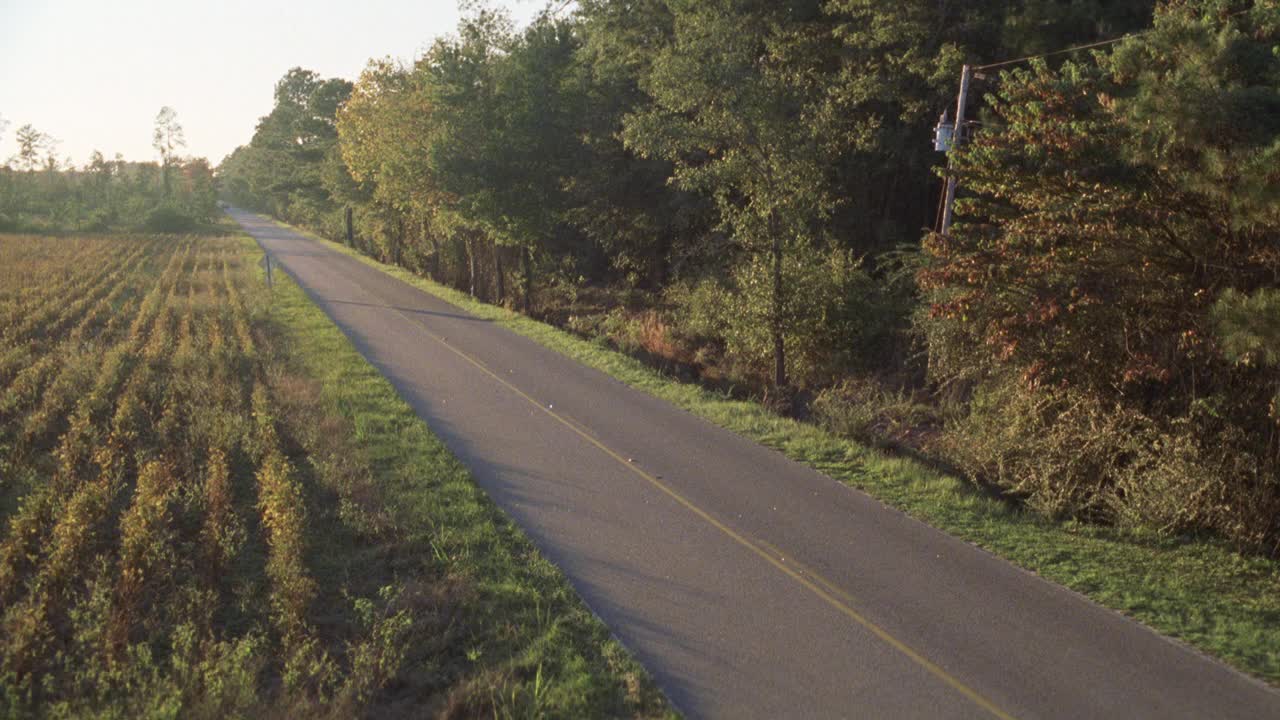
(1117, 207)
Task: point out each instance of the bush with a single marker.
(837, 318)
(646, 331)
(868, 410)
(1188, 480)
(1070, 455)
(100, 219)
(168, 219)
(1060, 453)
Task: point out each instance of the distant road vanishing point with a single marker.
(749, 585)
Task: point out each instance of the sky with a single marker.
(94, 73)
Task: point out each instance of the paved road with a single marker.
(749, 585)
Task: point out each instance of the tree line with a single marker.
(752, 188)
(41, 193)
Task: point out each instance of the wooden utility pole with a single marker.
(966, 76)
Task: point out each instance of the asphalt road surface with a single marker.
(748, 584)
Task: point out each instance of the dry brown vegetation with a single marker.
(139, 569)
(186, 529)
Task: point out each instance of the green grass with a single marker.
(1196, 590)
(521, 644)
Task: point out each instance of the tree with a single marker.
(647, 228)
(740, 108)
(1039, 26)
(33, 145)
(533, 143)
(384, 133)
(282, 168)
(166, 138)
(507, 130)
(199, 198)
(460, 77)
(1113, 197)
(1115, 205)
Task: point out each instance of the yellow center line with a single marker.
(827, 591)
(807, 571)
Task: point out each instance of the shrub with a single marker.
(1060, 452)
(100, 219)
(867, 410)
(647, 331)
(836, 317)
(169, 220)
(1194, 476)
(1068, 454)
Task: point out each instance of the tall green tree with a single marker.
(740, 107)
(1039, 26)
(33, 147)
(507, 129)
(281, 170)
(166, 137)
(648, 228)
(385, 130)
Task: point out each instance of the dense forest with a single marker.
(748, 191)
(41, 193)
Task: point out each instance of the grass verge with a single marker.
(521, 644)
(1196, 590)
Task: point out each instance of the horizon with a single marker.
(118, 74)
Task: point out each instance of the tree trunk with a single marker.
(779, 351)
(468, 243)
(497, 269)
(351, 228)
(526, 267)
(434, 267)
(661, 265)
(398, 242)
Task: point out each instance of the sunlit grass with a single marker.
(528, 646)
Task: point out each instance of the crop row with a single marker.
(48, 313)
(168, 510)
(112, 424)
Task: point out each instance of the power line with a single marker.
(1061, 52)
(968, 73)
(1077, 48)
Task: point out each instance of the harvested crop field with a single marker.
(211, 506)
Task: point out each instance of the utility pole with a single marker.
(966, 76)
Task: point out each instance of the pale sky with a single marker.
(94, 73)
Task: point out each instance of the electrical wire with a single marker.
(1077, 48)
(1061, 52)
